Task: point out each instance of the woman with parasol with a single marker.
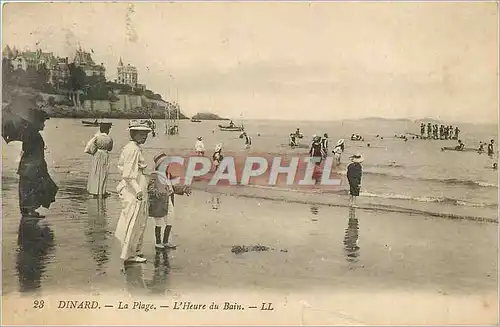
(23, 121)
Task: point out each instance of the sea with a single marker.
(411, 197)
(414, 176)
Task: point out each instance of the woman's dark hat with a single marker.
(27, 109)
(106, 124)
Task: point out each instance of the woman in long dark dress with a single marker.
(36, 188)
(354, 173)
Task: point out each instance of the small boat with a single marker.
(195, 120)
(464, 149)
(94, 123)
(231, 128)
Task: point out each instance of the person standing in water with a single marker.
(217, 156)
(429, 130)
(338, 150)
(248, 140)
(36, 187)
(324, 145)
(161, 202)
(133, 192)
(491, 152)
(99, 147)
(422, 130)
(199, 147)
(315, 151)
(457, 132)
(354, 174)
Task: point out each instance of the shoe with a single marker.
(136, 259)
(159, 246)
(170, 246)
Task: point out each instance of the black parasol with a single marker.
(17, 115)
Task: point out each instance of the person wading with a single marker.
(161, 202)
(217, 156)
(338, 150)
(199, 147)
(324, 145)
(36, 187)
(491, 152)
(99, 146)
(315, 151)
(354, 174)
(132, 190)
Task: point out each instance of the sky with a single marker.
(286, 60)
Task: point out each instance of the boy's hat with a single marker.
(357, 158)
(158, 159)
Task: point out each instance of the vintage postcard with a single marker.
(250, 163)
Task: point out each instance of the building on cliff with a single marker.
(127, 74)
(84, 60)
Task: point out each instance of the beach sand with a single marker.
(326, 265)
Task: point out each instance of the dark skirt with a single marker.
(36, 192)
(317, 160)
(354, 189)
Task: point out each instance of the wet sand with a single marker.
(327, 265)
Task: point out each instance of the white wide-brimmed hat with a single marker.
(139, 125)
(218, 147)
(340, 142)
(357, 158)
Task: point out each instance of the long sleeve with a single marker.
(129, 166)
(88, 148)
(110, 147)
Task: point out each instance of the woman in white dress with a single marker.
(99, 146)
(133, 192)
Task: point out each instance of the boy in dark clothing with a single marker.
(354, 174)
(161, 202)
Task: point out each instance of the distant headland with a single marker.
(208, 116)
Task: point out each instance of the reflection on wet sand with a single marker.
(314, 210)
(36, 242)
(96, 232)
(351, 247)
(138, 284)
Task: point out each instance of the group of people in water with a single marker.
(439, 132)
(319, 151)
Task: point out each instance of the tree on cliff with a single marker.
(76, 83)
(42, 76)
